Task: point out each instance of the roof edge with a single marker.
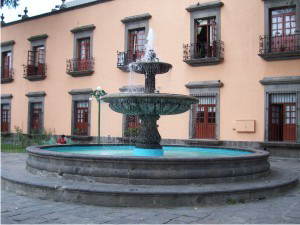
(55, 12)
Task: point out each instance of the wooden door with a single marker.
(136, 44)
(83, 54)
(41, 61)
(289, 122)
(5, 117)
(6, 67)
(205, 122)
(275, 122)
(81, 118)
(289, 37)
(205, 38)
(283, 28)
(31, 71)
(36, 116)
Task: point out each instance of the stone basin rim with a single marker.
(40, 150)
(148, 95)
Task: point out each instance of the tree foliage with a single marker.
(10, 3)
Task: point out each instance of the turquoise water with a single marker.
(168, 151)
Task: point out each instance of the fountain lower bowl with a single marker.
(149, 104)
(167, 170)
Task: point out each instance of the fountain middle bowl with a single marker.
(149, 103)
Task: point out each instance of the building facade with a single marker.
(240, 58)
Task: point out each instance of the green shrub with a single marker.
(132, 132)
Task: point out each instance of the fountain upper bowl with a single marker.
(150, 67)
(149, 104)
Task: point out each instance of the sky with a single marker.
(34, 7)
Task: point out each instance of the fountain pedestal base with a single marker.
(149, 137)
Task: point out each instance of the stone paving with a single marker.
(17, 209)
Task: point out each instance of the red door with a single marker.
(6, 65)
(205, 121)
(289, 123)
(136, 44)
(83, 54)
(5, 117)
(36, 116)
(275, 122)
(81, 118)
(40, 58)
(282, 123)
(283, 28)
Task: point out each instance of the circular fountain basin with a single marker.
(145, 67)
(180, 165)
(149, 104)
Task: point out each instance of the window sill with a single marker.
(277, 144)
(124, 68)
(274, 56)
(78, 137)
(6, 80)
(80, 73)
(203, 142)
(35, 77)
(204, 61)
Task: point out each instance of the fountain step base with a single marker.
(15, 178)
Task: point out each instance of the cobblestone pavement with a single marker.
(26, 210)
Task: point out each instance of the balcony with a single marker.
(6, 75)
(202, 54)
(80, 67)
(35, 72)
(279, 47)
(125, 58)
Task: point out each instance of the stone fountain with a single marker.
(150, 104)
(57, 172)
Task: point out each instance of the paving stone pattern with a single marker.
(17, 209)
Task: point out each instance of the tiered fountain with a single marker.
(110, 175)
(149, 105)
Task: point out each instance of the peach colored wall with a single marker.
(242, 21)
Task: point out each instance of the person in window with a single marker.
(62, 140)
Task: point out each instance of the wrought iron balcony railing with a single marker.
(276, 44)
(125, 58)
(6, 74)
(35, 72)
(80, 67)
(203, 50)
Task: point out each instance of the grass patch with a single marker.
(11, 148)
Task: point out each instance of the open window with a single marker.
(137, 41)
(136, 30)
(6, 64)
(82, 63)
(7, 61)
(205, 47)
(205, 38)
(35, 68)
(36, 61)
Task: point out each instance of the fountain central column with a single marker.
(149, 83)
